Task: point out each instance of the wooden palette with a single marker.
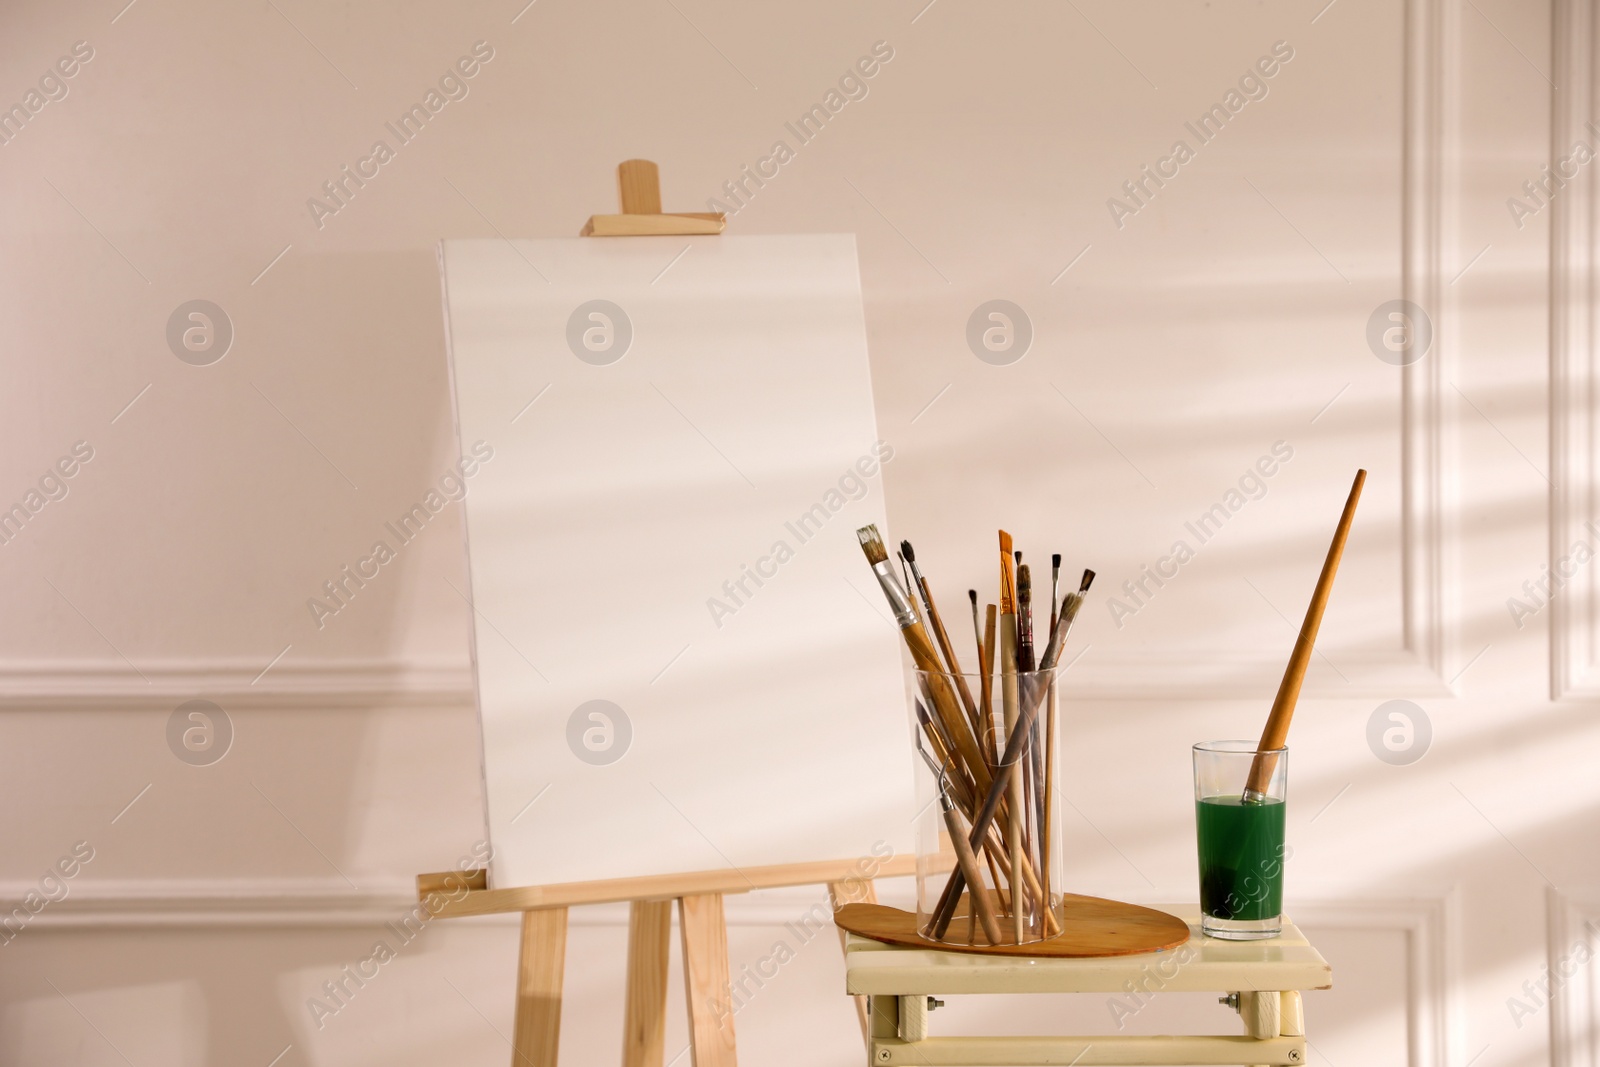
(1091, 927)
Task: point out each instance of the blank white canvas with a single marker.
(620, 498)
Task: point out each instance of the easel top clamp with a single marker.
(536, 1034)
(639, 190)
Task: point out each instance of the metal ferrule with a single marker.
(899, 601)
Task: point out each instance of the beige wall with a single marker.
(1228, 314)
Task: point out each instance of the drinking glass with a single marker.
(1239, 804)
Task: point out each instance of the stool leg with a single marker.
(1293, 1013)
(883, 1016)
(914, 1018)
(1261, 1013)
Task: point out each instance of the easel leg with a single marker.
(705, 980)
(862, 891)
(645, 1018)
(537, 1033)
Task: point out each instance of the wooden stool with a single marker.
(1262, 979)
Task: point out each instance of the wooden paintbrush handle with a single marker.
(954, 665)
(945, 703)
(969, 867)
(1277, 728)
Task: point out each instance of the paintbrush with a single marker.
(1060, 626)
(1055, 590)
(991, 726)
(1009, 706)
(1070, 605)
(930, 612)
(1033, 770)
(977, 627)
(1276, 732)
(925, 656)
(905, 576)
(1024, 618)
(938, 762)
(967, 862)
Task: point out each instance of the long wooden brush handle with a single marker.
(945, 702)
(948, 650)
(992, 733)
(968, 863)
(1277, 728)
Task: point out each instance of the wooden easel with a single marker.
(702, 928)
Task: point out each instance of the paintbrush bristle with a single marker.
(1024, 582)
(905, 550)
(872, 545)
(1088, 578)
(1005, 542)
(972, 595)
(1055, 561)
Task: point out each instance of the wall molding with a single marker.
(1434, 1021)
(1573, 426)
(1574, 1008)
(101, 685)
(1429, 924)
(1427, 209)
(1426, 661)
(1421, 667)
(1103, 674)
(1434, 1017)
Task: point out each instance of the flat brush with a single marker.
(905, 613)
(925, 656)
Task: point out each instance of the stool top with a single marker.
(1202, 964)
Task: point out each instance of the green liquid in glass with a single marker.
(1241, 857)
